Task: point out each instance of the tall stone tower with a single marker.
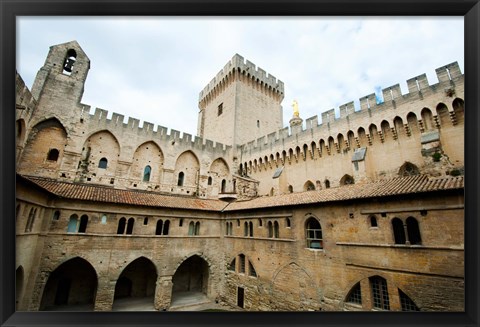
(240, 104)
(59, 84)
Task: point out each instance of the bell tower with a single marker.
(60, 83)
(241, 104)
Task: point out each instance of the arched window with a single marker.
(210, 180)
(250, 229)
(355, 295)
(290, 189)
(121, 226)
(224, 184)
(145, 221)
(379, 293)
(31, 220)
(197, 228)
(309, 186)
(130, 224)
(166, 227)
(103, 163)
(413, 231)
(52, 155)
(181, 177)
(314, 234)
(406, 302)
(83, 224)
(260, 223)
(146, 173)
(347, 180)
(245, 229)
(270, 229)
(327, 183)
(287, 222)
(158, 230)
(398, 231)
(276, 230)
(72, 224)
(191, 228)
(70, 59)
(373, 221)
(408, 169)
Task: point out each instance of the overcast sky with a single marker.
(154, 68)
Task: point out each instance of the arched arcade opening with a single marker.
(135, 287)
(190, 281)
(71, 286)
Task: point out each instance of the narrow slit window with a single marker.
(181, 177)
(146, 173)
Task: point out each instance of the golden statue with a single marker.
(295, 109)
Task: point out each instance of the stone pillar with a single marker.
(105, 294)
(163, 293)
(37, 291)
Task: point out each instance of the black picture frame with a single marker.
(10, 9)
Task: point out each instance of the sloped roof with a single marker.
(390, 187)
(395, 186)
(98, 193)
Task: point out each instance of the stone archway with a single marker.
(72, 286)
(135, 287)
(190, 282)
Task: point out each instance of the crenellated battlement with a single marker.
(351, 118)
(244, 67)
(160, 133)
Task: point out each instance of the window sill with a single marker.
(315, 250)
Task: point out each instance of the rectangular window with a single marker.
(380, 293)
(242, 264)
(314, 238)
(240, 296)
(220, 109)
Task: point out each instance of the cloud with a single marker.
(153, 68)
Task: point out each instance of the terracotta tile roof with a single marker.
(88, 192)
(395, 186)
